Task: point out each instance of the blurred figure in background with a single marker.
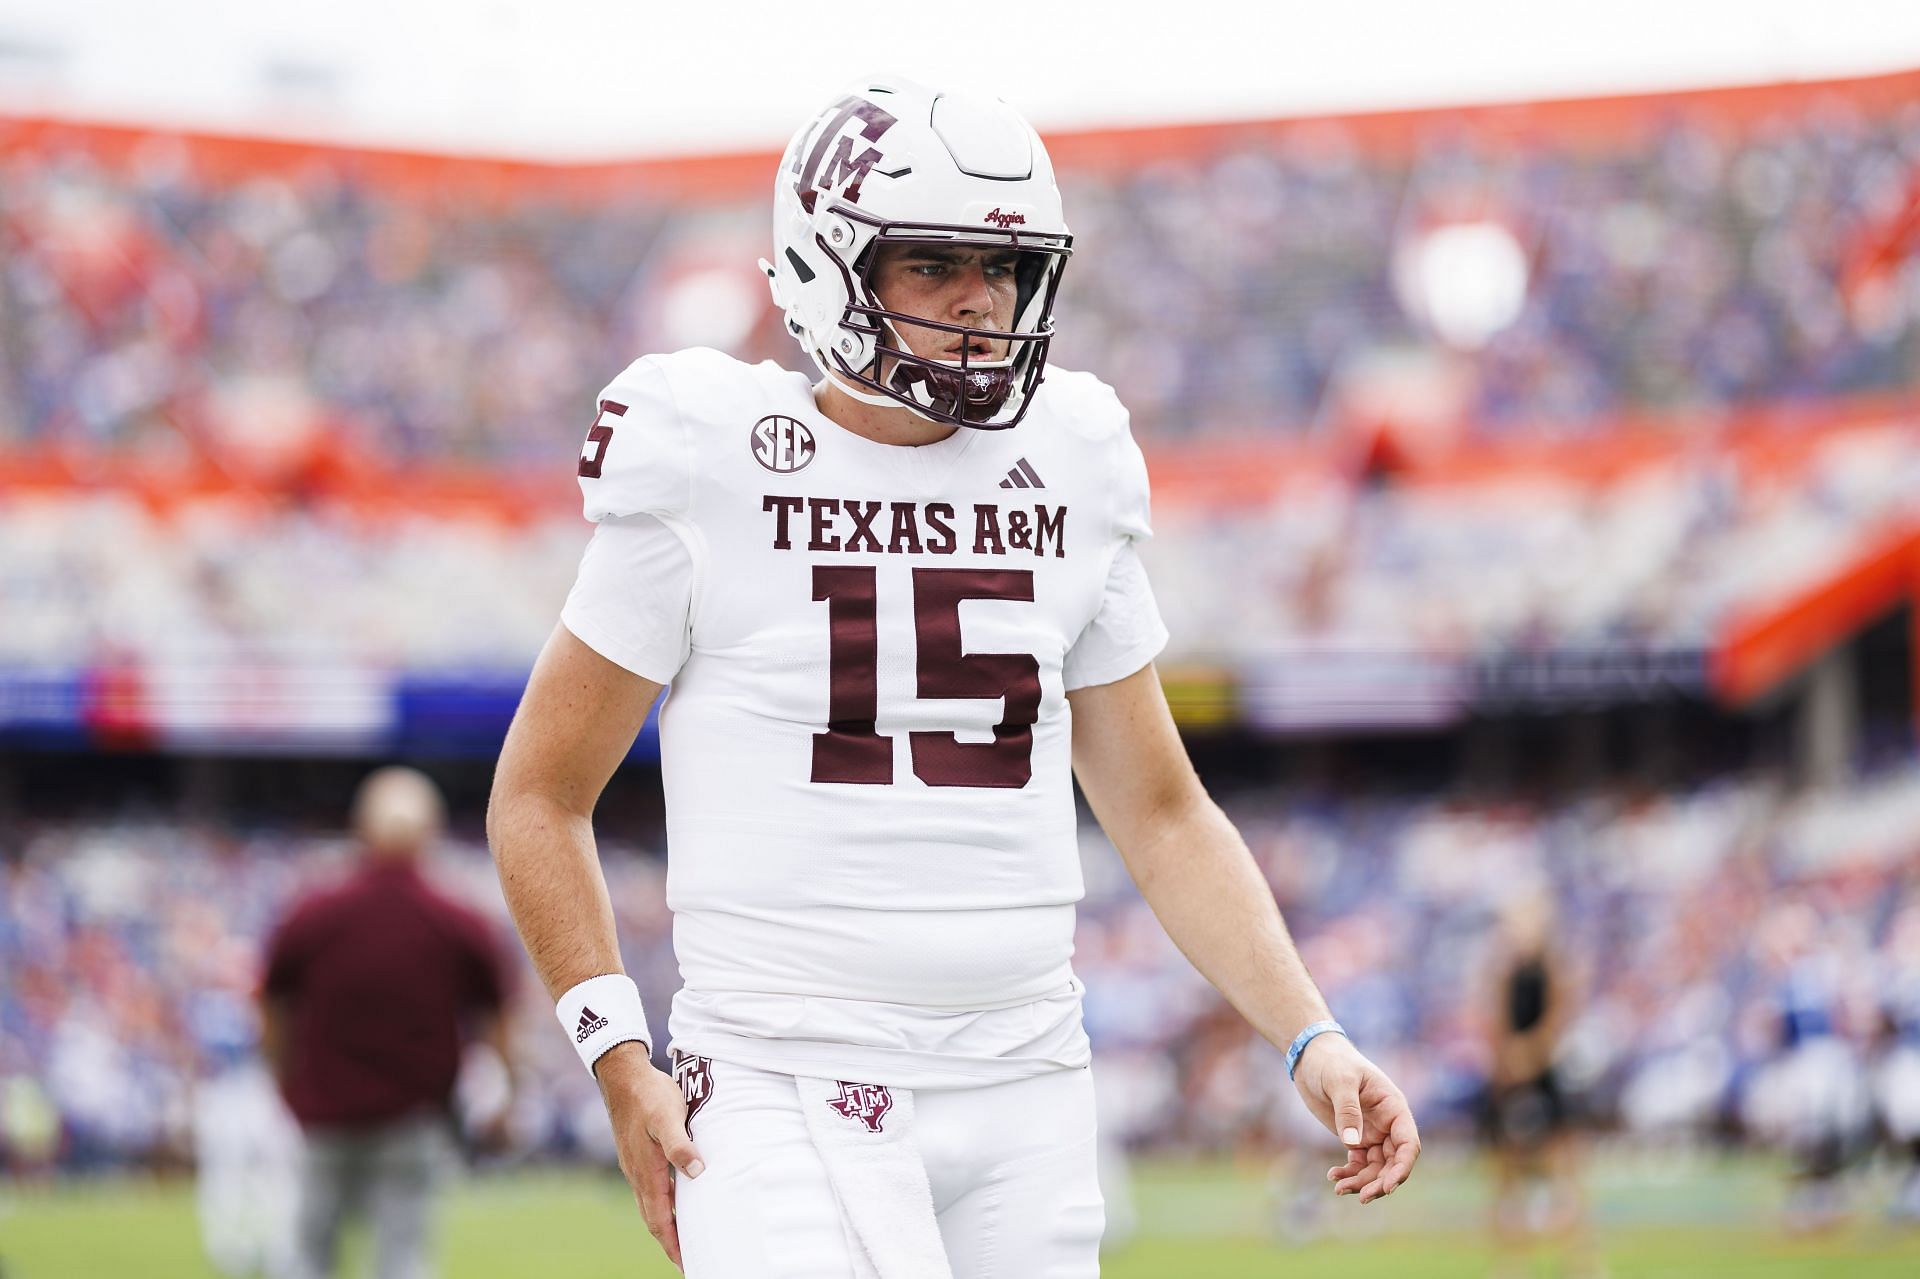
(369, 989)
(1896, 1071)
(1537, 1188)
(245, 1153)
(1812, 1100)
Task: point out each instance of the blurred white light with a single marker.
(712, 307)
(1466, 280)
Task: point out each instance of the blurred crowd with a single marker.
(1658, 559)
(1704, 934)
(1709, 936)
(1695, 269)
(227, 581)
(1257, 287)
(1243, 287)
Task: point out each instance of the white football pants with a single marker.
(1012, 1169)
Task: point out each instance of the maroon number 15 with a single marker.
(850, 750)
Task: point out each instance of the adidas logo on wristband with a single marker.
(620, 1018)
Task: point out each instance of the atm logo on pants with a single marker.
(869, 1103)
(695, 1077)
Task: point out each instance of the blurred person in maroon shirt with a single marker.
(370, 991)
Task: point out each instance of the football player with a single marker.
(899, 608)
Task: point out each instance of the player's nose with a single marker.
(972, 299)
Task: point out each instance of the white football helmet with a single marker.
(894, 162)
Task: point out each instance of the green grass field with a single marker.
(1209, 1221)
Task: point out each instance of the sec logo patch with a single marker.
(782, 444)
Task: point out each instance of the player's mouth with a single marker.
(977, 349)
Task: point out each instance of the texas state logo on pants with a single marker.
(867, 1103)
(848, 1179)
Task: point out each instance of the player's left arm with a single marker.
(1196, 873)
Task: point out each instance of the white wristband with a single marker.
(601, 1012)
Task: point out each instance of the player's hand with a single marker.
(650, 1131)
(1361, 1106)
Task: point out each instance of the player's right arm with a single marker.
(575, 724)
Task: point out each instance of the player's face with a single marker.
(958, 284)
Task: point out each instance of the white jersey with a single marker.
(872, 853)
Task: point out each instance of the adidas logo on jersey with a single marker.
(1022, 476)
(589, 1024)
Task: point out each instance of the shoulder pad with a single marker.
(1083, 404)
(656, 421)
(635, 459)
(712, 388)
(1089, 409)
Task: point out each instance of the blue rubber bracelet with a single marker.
(1307, 1036)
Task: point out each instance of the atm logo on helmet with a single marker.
(1005, 220)
(830, 164)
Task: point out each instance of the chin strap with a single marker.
(854, 391)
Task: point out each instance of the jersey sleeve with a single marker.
(637, 456)
(1126, 633)
(1133, 494)
(633, 599)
